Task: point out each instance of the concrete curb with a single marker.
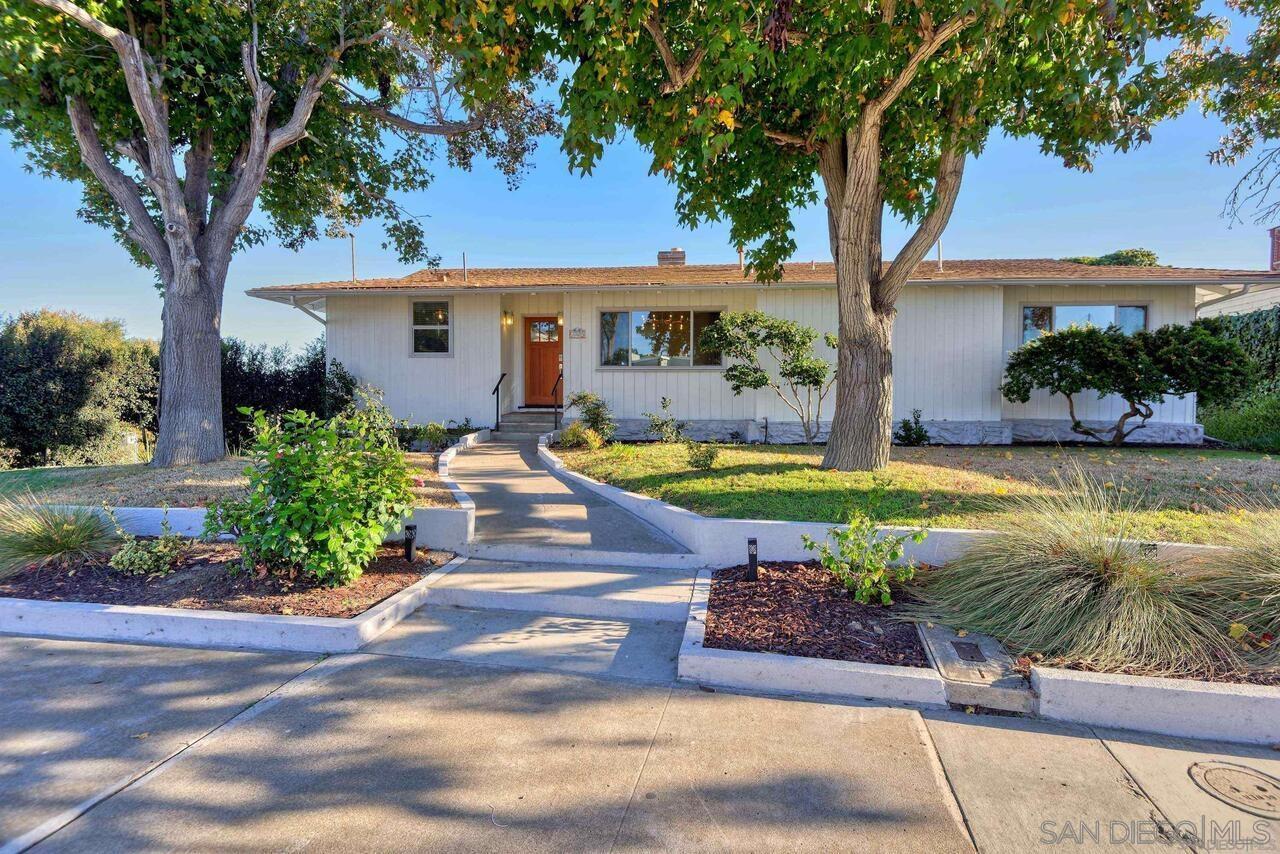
(178, 627)
(1188, 708)
(788, 674)
(723, 542)
(449, 528)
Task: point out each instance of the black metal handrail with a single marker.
(497, 403)
(556, 399)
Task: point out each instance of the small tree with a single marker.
(804, 378)
(1141, 368)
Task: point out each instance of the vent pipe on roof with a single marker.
(673, 257)
(464, 266)
(742, 262)
(939, 256)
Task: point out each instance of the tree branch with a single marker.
(195, 187)
(678, 74)
(443, 128)
(945, 190)
(123, 191)
(805, 143)
(933, 42)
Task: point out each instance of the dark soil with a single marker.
(210, 578)
(799, 609)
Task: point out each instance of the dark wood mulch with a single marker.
(799, 609)
(210, 577)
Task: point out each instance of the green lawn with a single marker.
(1183, 492)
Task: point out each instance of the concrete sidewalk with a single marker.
(113, 747)
(519, 502)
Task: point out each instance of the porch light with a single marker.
(508, 319)
(560, 319)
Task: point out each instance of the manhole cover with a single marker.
(1243, 787)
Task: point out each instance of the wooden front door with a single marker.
(542, 360)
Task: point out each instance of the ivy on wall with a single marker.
(1258, 332)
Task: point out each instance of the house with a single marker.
(477, 343)
(1252, 297)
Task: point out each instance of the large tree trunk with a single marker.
(191, 375)
(862, 427)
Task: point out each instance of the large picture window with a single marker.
(431, 328)
(655, 339)
(1039, 319)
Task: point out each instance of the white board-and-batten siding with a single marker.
(950, 345)
(372, 337)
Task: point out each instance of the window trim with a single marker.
(600, 311)
(1052, 304)
(448, 327)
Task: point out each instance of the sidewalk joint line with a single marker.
(617, 834)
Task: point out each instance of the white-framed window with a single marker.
(656, 338)
(430, 332)
(1039, 319)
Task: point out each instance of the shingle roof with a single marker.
(1009, 270)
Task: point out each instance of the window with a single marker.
(1039, 319)
(655, 339)
(431, 328)
(544, 331)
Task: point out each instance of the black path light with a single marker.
(410, 543)
(753, 559)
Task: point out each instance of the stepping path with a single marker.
(519, 504)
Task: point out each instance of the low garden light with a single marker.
(410, 543)
(753, 559)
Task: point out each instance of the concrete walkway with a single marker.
(520, 503)
(107, 747)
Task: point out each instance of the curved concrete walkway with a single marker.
(519, 502)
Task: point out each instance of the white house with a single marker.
(440, 342)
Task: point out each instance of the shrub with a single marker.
(8, 458)
(1252, 423)
(750, 340)
(1258, 334)
(1065, 578)
(702, 455)
(1245, 577)
(1139, 367)
(911, 432)
(322, 492)
(664, 425)
(433, 435)
(867, 563)
(594, 413)
(579, 435)
(153, 557)
(70, 387)
(33, 535)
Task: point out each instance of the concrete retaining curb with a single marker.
(449, 528)
(788, 674)
(1188, 708)
(178, 627)
(723, 542)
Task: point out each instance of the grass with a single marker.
(181, 486)
(32, 534)
(1057, 582)
(1180, 494)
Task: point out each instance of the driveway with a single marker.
(108, 747)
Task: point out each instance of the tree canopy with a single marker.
(1119, 258)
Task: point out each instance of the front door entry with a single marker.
(542, 361)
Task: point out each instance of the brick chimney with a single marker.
(673, 257)
(1275, 249)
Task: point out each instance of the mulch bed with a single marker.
(799, 609)
(210, 578)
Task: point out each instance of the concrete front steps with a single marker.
(525, 424)
(609, 592)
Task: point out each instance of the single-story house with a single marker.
(478, 343)
(1251, 297)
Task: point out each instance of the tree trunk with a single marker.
(861, 429)
(191, 374)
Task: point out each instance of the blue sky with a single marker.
(1015, 202)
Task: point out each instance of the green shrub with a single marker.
(147, 557)
(867, 563)
(664, 425)
(322, 492)
(1258, 334)
(1245, 578)
(8, 458)
(1252, 423)
(594, 413)
(579, 435)
(702, 455)
(433, 435)
(1066, 578)
(911, 432)
(34, 535)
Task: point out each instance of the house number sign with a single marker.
(577, 332)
